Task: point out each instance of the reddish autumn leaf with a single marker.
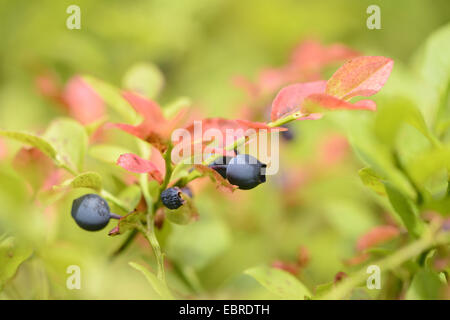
(222, 131)
(245, 84)
(154, 128)
(48, 85)
(290, 99)
(310, 56)
(333, 149)
(148, 109)
(272, 79)
(290, 267)
(221, 183)
(320, 101)
(3, 150)
(84, 104)
(38, 169)
(376, 236)
(362, 76)
(136, 164)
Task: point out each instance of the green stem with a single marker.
(399, 166)
(122, 205)
(427, 241)
(149, 232)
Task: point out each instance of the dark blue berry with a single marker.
(91, 212)
(220, 165)
(289, 134)
(171, 198)
(246, 171)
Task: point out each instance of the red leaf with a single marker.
(154, 128)
(290, 98)
(38, 169)
(319, 101)
(148, 109)
(221, 183)
(311, 55)
(84, 104)
(362, 76)
(133, 163)
(222, 131)
(3, 150)
(377, 235)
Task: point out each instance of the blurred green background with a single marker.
(199, 45)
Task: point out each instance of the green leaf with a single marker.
(12, 255)
(126, 223)
(70, 140)
(279, 282)
(428, 164)
(107, 152)
(156, 284)
(112, 98)
(131, 195)
(208, 238)
(372, 180)
(426, 285)
(144, 78)
(31, 140)
(393, 113)
(378, 157)
(185, 214)
(405, 209)
(435, 63)
(85, 180)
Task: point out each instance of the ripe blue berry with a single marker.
(171, 198)
(91, 212)
(288, 135)
(220, 165)
(246, 171)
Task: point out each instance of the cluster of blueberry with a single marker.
(243, 171)
(91, 212)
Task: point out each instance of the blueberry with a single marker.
(289, 134)
(220, 165)
(171, 198)
(246, 171)
(91, 212)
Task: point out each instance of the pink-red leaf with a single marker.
(377, 235)
(136, 164)
(84, 104)
(362, 76)
(148, 109)
(223, 131)
(316, 102)
(311, 55)
(290, 98)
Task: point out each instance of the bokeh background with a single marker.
(199, 45)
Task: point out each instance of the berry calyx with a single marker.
(246, 171)
(171, 198)
(91, 212)
(220, 165)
